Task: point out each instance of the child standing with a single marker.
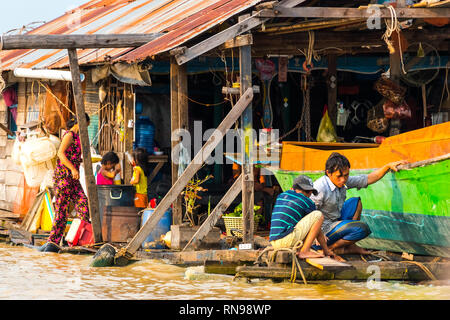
(139, 179)
(110, 168)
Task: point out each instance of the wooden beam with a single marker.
(245, 67)
(215, 215)
(335, 12)
(239, 41)
(85, 41)
(227, 90)
(183, 180)
(4, 128)
(85, 146)
(228, 34)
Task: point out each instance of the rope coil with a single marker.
(296, 267)
(390, 28)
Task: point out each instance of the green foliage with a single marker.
(237, 212)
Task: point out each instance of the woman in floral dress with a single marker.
(67, 185)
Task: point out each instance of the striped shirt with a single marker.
(289, 209)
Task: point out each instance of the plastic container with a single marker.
(161, 228)
(37, 150)
(16, 150)
(145, 134)
(80, 233)
(55, 140)
(34, 174)
(115, 195)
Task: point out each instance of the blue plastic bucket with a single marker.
(161, 228)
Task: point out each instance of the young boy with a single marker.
(295, 218)
(341, 224)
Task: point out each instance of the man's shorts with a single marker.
(300, 231)
(347, 228)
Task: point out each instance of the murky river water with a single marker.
(28, 274)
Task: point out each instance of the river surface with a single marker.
(29, 274)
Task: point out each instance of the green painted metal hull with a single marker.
(407, 211)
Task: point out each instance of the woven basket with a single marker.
(235, 223)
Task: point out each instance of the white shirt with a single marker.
(330, 198)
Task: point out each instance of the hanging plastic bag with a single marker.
(326, 132)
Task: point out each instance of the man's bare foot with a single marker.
(351, 249)
(309, 254)
(358, 250)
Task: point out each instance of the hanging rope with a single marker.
(296, 267)
(391, 27)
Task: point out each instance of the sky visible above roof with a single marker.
(19, 13)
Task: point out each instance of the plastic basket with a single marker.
(235, 224)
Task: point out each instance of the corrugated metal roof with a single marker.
(179, 20)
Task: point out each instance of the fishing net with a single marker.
(24, 198)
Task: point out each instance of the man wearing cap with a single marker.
(295, 220)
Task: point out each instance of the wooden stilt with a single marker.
(85, 146)
(245, 65)
(177, 214)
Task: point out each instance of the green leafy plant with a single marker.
(190, 196)
(237, 212)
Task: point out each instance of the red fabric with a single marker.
(10, 97)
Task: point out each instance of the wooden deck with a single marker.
(241, 263)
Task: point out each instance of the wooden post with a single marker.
(245, 66)
(177, 214)
(129, 106)
(180, 184)
(332, 88)
(395, 71)
(85, 146)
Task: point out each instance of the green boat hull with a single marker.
(407, 211)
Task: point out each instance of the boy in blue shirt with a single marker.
(295, 219)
